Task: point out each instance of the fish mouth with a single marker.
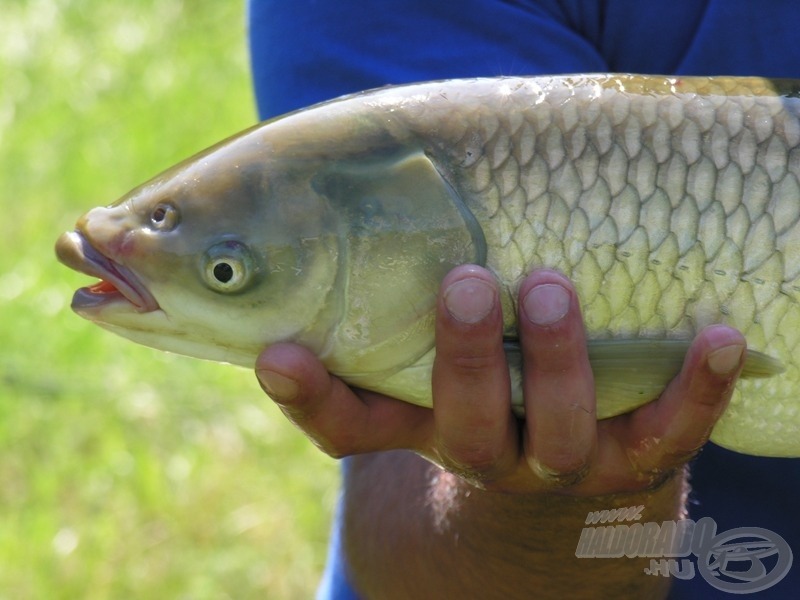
(117, 283)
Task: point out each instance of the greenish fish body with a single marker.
(672, 203)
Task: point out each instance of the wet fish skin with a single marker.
(672, 203)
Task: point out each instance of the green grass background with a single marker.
(127, 472)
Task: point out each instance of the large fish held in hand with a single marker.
(672, 203)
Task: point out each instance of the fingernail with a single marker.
(469, 300)
(546, 304)
(723, 361)
(279, 387)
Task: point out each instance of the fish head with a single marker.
(319, 228)
(206, 260)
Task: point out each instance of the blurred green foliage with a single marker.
(127, 472)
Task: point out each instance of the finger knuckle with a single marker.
(561, 473)
(565, 366)
(336, 450)
(474, 365)
(658, 461)
(335, 442)
(654, 478)
(676, 457)
(473, 461)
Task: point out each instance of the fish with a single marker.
(672, 203)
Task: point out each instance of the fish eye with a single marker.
(228, 267)
(164, 217)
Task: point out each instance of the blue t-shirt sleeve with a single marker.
(306, 51)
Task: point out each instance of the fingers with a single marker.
(667, 433)
(471, 430)
(558, 383)
(476, 434)
(338, 419)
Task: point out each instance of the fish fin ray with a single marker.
(631, 372)
(758, 365)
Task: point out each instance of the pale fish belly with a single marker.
(671, 203)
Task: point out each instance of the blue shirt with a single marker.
(305, 51)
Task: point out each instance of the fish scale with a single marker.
(671, 203)
(694, 184)
(688, 189)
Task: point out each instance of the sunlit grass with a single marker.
(126, 472)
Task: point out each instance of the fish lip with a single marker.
(76, 252)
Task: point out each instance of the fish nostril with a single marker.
(108, 228)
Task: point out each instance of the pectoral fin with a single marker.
(630, 373)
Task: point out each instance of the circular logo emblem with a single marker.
(745, 560)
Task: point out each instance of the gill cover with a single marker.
(405, 229)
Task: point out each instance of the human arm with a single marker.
(514, 513)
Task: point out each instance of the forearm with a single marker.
(412, 530)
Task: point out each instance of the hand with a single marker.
(559, 446)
